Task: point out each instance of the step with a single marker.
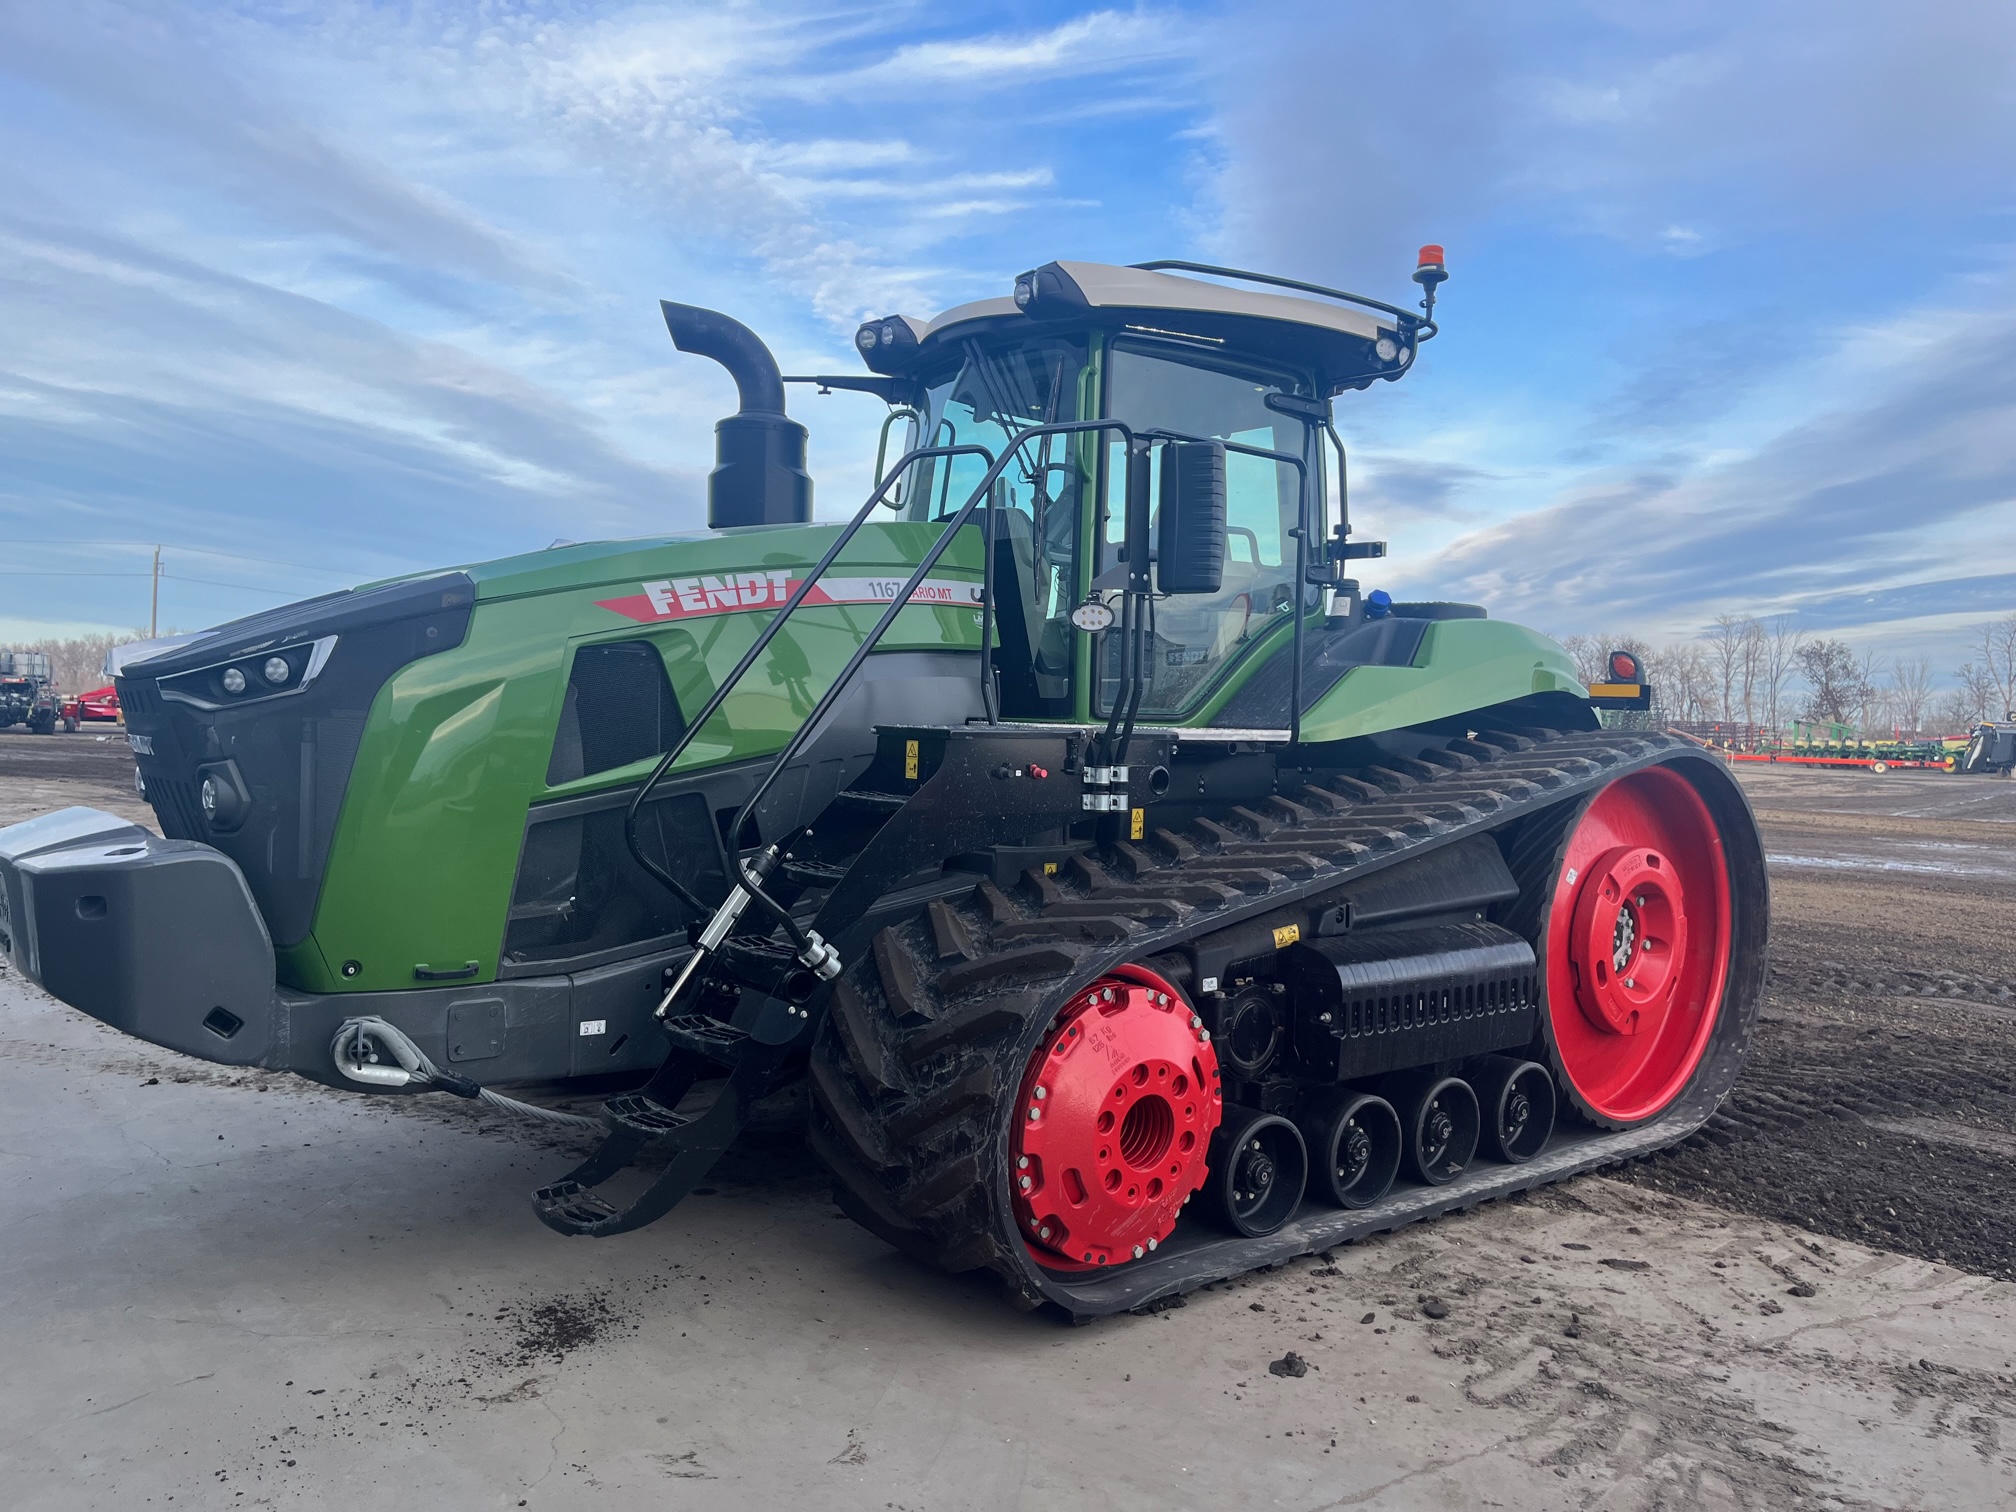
(641, 1115)
(706, 1036)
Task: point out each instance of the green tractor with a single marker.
(1138, 900)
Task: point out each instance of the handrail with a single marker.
(751, 884)
(1302, 499)
(756, 649)
(953, 525)
(900, 412)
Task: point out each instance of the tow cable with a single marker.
(356, 1052)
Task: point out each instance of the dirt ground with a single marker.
(232, 1289)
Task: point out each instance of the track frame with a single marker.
(910, 1107)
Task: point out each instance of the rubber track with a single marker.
(929, 1030)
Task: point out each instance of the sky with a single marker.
(312, 293)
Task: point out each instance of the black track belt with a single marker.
(911, 1094)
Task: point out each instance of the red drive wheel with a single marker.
(1113, 1123)
(1637, 947)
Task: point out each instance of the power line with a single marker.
(238, 556)
(177, 577)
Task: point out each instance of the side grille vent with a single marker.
(619, 709)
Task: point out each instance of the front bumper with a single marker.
(161, 939)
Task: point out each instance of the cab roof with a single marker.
(1338, 340)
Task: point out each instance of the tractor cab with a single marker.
(1158, 359)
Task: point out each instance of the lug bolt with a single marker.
(1630, 982)
(1043, 1233)
(1196, 1022)
(1139, 1252)
(1027, 1183)
(1034, 1114)
(1151, 1242)
(1022, 1163)
(1041, 1093)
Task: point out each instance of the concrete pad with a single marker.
(230, 1289)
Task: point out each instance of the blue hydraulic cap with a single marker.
(1378, 604)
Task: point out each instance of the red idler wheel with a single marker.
(1638, 943)
(1113, 1123)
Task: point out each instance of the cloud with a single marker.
(1102, 42)
(1675, 128)
(224, 412)
(1393, 488)
(1914, 475)
(157, 77)
(1992, 594)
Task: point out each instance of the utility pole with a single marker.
(154, 609)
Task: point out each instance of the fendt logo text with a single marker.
(734, 593)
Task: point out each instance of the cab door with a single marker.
(1199, 639)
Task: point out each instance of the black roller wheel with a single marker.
(1259, 1167)
(1438, 1123)
(1516, 1099)
(1354, 1143)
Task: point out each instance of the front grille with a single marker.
(290, 754)
(176, 803)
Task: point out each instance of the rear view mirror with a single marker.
(1190, 538)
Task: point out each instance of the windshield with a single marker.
(1161, 385)
(982, 399)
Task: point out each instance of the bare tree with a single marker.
(78, 663)
(1752, 669)
(1684, 682)
(1778, 654)
(1910, 692)
(1976, 698)
(1728, 642)
(1836, 690)
(1587, 653)
(1998, 664)
(1869, 670)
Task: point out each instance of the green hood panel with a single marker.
(1462, 665)
(456, 746)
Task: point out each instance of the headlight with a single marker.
(282, 671)
(1387, 348)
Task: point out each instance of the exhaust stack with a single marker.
(759, 475)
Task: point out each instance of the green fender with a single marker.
(1463, 665)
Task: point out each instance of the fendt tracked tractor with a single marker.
(1139, 900)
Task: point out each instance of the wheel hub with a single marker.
(1639, 945)
(1354, 1154)
(1437, 1129)
(1114, 1123)
(1631, 927)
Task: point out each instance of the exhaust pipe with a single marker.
(759, 475)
